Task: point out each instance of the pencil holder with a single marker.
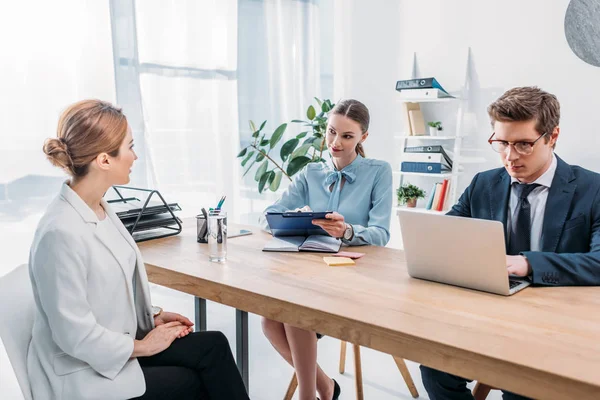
(201, 229)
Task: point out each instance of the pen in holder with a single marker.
(202, 227)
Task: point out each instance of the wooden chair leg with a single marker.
(481, 391)
(291, 388)
(358, 372)
(407, 377)
(343, 357)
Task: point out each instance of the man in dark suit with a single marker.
(550, 209)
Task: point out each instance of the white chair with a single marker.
(17, 309)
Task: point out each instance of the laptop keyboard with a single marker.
(513, 284)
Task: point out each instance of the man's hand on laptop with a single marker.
(518, 265)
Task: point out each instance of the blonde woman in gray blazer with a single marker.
(96, 334)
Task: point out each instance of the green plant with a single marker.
(436, 124)
(407, 192)
(294, 154)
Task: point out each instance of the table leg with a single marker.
(241, 328)
(200, 308)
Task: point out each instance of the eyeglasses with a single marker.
(523, 148)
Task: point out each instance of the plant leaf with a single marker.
(311, 113)
(261, 170)
(299, 121)
(325, 107)
(264, 142)
(249, 168)
(276, 181)
(297, 164)
(288, 147)
(310, 139)
(248, 157)
(278, 134)
(262, 125)
(319, 101)
(263, 180)
(301, 135)
(301, 151)
(252, 127)
(260, 156)
(243, 152)
(318, 143)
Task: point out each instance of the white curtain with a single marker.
(51, 55)
(285, 60)
(188, 59)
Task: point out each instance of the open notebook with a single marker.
(318, 243)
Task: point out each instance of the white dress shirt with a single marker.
(537, 199)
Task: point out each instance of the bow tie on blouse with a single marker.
(336, 176)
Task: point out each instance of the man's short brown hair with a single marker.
(527, 103)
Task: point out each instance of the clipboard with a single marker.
(293, 223)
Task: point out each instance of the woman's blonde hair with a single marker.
(85, 130)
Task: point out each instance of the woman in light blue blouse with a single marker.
(359, 192)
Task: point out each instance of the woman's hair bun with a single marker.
(58, 154)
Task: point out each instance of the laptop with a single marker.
(466, 252)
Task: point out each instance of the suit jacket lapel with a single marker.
(142, 302)
(107, 241)
(142, 308)
(499, 192)
(558, 205)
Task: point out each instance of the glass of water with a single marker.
(217, 236)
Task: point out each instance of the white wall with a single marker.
(513, 43)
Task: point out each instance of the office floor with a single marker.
(269, 374)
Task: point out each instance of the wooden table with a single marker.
(541, 342)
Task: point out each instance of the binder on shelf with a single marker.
(436, 197)
(430, 149)
(419, 83)
(431, 195)
(424, 157)
(146, 219)
(424, 94)
(447, 204)
(440, 206)
(423, 167)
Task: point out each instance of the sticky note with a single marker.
(338, 261)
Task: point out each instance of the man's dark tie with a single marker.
(520, 234)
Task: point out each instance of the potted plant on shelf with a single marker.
(409, 194)
(306, 147)
(435, 127)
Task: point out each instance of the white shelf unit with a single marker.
(452, 175)
(454, 140)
